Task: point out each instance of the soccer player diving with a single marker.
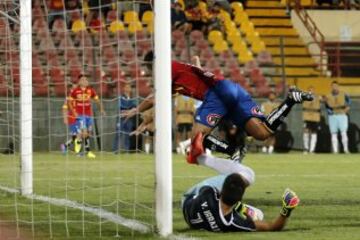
(221, 98)
(215, 204)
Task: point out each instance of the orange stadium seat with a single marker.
(131, 16)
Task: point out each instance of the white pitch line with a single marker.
(102, 213)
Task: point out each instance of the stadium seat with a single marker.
(130, 17)
(41, 90)
(212, 64)
(134, 27)
(249, 66)
(215, 36)
(234, 37)
(150, 28)
(224, 16)
(220, 46)
(239, 47)
(144, 87)
(257, 77)
(252, 37)
(264, 58)
(258, 46)
(78, 26)
(263, 90)
(116, 26)
(245, 57)
(116, 72)
(147, 18)
(122, 36)
(206, 54)
(230, 27)
(241, 18)
(128, 55)
(60, 90)
(237, 7)
(202, 45)
(247, 28)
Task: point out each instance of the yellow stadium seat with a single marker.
(134, 27)
(258, 46)
(116, 26)
(203, 6)
(253, 37)
(230, 26)
(150, 28)
(239, 47)
(85, 8)
(234, 37)
(215, 36)
(148, 17)
(241, 18)
(237, 7)
(131, 16)
(220, 46)
(225, 16)
(245, 57)
(78, 26)
(182, 3)
(247, 28)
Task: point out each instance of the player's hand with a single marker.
(127, 114)
(139, 130)
(289, 202)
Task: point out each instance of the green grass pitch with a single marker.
(328, 185)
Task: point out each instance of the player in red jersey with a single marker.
(70, 121)
(81, 98)
(221, 98)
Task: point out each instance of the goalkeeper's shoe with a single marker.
(196, 149)
(90, 154)
(77, 146)
(299, 96)
(289, 202)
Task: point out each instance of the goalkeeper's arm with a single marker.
(290, 202)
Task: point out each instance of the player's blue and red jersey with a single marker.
(191, 81)
(81, 98)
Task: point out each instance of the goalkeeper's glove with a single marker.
(289, 201)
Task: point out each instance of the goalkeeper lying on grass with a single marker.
(215, 203)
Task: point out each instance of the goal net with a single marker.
(111, 192)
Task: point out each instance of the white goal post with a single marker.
(26, 138)
(163, 142)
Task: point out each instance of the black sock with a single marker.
(87, 144)
(215, 144)
(70, 141)
(276, 117)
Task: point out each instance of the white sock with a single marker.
(306, 141)
(345, 140)
(334, 141)
(224, 166)
(264, 149)
(208, 152)
(271, 149)
(186, 143)
(313, 142)
(147, 147)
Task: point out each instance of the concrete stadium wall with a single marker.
(49, 130)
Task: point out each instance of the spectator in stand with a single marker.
(99, 6)
(178, 18)
(338, 106)
(95, 23)
(243, 2)
(56, 10)
(196, 17)
(267, 107)
(124, 127)
(311, 117)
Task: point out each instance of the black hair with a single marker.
(149, 57)
(334, 82)
(233, 189)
